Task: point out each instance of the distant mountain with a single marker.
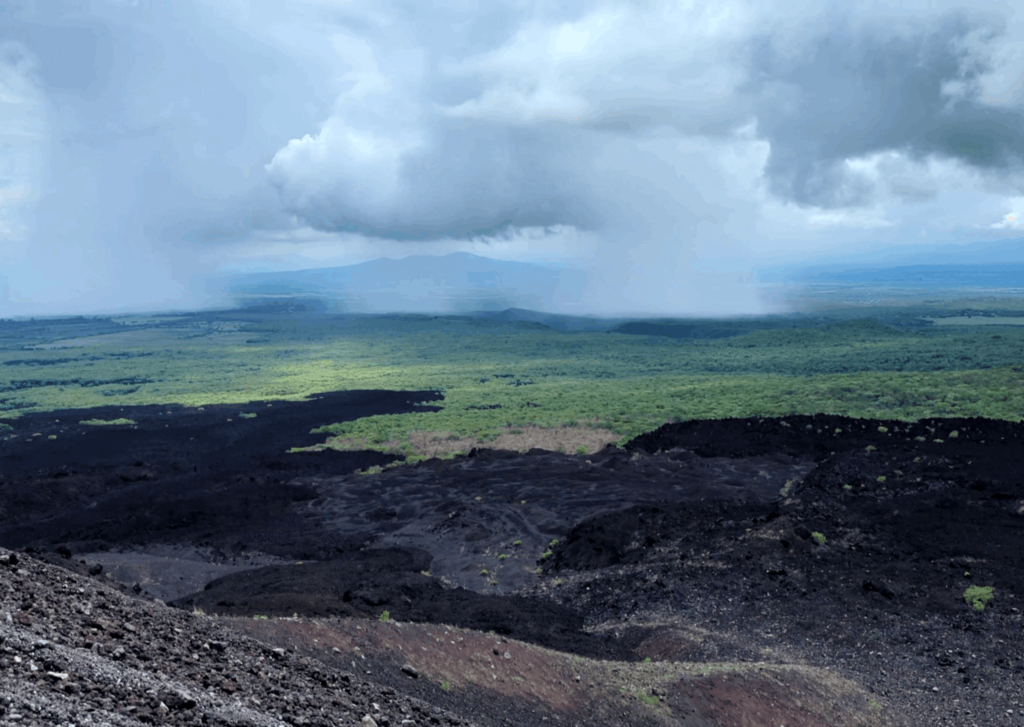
(984, 263)
(455, 283)
(1000, 276)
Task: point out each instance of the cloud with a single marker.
(674, 144)
(1012, 220)
(23, 128)
(827, 92)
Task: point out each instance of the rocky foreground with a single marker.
(76, 651)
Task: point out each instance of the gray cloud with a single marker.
(858, 90)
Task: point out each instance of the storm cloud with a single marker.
(667, 148)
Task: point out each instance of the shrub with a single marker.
(978, 596)
(384, 617)
(819, 538)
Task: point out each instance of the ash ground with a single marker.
(821, 542)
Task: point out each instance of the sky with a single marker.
(669, 149)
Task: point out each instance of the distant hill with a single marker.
(455, 283)
(1004, 275)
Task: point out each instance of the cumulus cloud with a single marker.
(844, 89)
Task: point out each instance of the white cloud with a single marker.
(1013, 220)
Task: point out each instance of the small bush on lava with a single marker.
(979, 596)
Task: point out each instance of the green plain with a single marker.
(497, 375)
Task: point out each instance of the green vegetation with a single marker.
(107, 422)
(384, 617)
(648, 698)
(517, 543)
(446, 686)
(545, 555)
(499, 378)
(978, 596)
(247, 415)
(819, 538)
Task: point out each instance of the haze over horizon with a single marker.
(669, 151)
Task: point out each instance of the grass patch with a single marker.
(107, 422)
(648, 699)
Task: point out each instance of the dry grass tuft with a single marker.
(572, 440)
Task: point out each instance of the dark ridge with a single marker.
(367, 583)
